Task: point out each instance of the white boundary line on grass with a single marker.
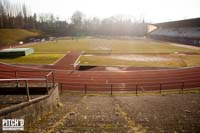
(77, 60)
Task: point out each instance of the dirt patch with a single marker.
(138, 57)
(100, 45)
(115, 68)
(143, 58)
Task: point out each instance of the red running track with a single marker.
(142, 80)
(67, 62)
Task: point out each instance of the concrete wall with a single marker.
(33, 110)
(16, 52)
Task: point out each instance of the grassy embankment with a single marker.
(13, 36)
(10, 37)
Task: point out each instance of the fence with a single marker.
(48, 77)
(124, 87)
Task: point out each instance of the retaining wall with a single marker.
(33, 110)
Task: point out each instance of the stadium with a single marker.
(93, 75)
(71, 73)
(76, 69)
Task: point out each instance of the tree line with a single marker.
(14, 15)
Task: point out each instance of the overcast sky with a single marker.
(152, 10)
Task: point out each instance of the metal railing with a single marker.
(128, 87)
(26, 80)
(47, 78)
(29, 74)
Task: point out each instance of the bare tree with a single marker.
(19, 16)
(77, 21)
(2, 14)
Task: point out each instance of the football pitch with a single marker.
(113, 52)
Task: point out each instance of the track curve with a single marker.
(120, 81)
(144, 80)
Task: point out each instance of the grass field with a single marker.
(109, 45)
(137, 52)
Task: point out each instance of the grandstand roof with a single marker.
(195, 22)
